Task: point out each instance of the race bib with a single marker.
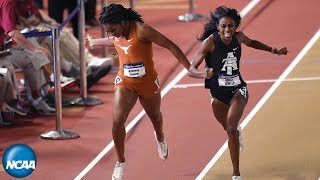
(229, 81)
(134, 70)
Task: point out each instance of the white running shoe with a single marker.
(162, 148)
(241, 144)
(63, 79)
(236, 178)
(97, 61)
(118, 171)
(43, 108)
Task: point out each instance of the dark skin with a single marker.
(228, 115)
(124, 98)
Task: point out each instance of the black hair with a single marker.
(216, 16)
(116, 13)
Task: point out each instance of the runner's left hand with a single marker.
(209, 73)
(282, 51)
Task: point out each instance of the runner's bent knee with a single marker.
(119, 121)
(232, 130)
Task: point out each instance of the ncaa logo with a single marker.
(19, 160)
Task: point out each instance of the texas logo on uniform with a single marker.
(125, 48)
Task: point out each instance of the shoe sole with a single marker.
(5, 124)
(166, 157)
(16, 111)
(65, 85)
(45, 113)
(113, 178)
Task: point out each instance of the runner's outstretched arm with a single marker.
(146, 33)
(90, 42)
(259, 45)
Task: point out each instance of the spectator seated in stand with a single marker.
(32, 60)
(8, 92)
(34, 19)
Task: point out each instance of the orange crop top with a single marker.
(135, 57)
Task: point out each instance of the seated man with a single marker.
(31, 17)
(8, 90)
(31, 59)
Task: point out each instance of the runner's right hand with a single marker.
(88, 41)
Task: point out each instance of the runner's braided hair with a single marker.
(216, 16)
(116, 13)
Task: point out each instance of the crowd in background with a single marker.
(33, 56)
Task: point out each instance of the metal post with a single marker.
(131, 4)
(83, 72)
(83, 99)
(104, 34)
(58, 133)
(191, 16)
(191, 7)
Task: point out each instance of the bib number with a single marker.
(134, 70)
(229, 81)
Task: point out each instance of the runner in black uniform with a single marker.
(224, 61)
(221, 49)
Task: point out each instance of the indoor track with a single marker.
(280, 123)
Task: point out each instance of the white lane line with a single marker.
(283, 76)
(253, 82)
(142, 113)
(249, 7)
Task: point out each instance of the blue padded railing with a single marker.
(36, 33)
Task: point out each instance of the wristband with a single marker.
(273, 50)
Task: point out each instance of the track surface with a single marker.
(275, 140)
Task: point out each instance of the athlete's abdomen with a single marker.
(135, 60)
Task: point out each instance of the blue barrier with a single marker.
(36, 33)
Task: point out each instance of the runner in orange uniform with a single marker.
(136, 67)
(137, 78)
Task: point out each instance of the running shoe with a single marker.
(162, 148)
(118, 171)
(43, 108)
(241, 144)
(97, 61)
(15, 106)
(63, 79)
(236, 178)
(6, 118)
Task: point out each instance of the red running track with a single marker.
(193, 135)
